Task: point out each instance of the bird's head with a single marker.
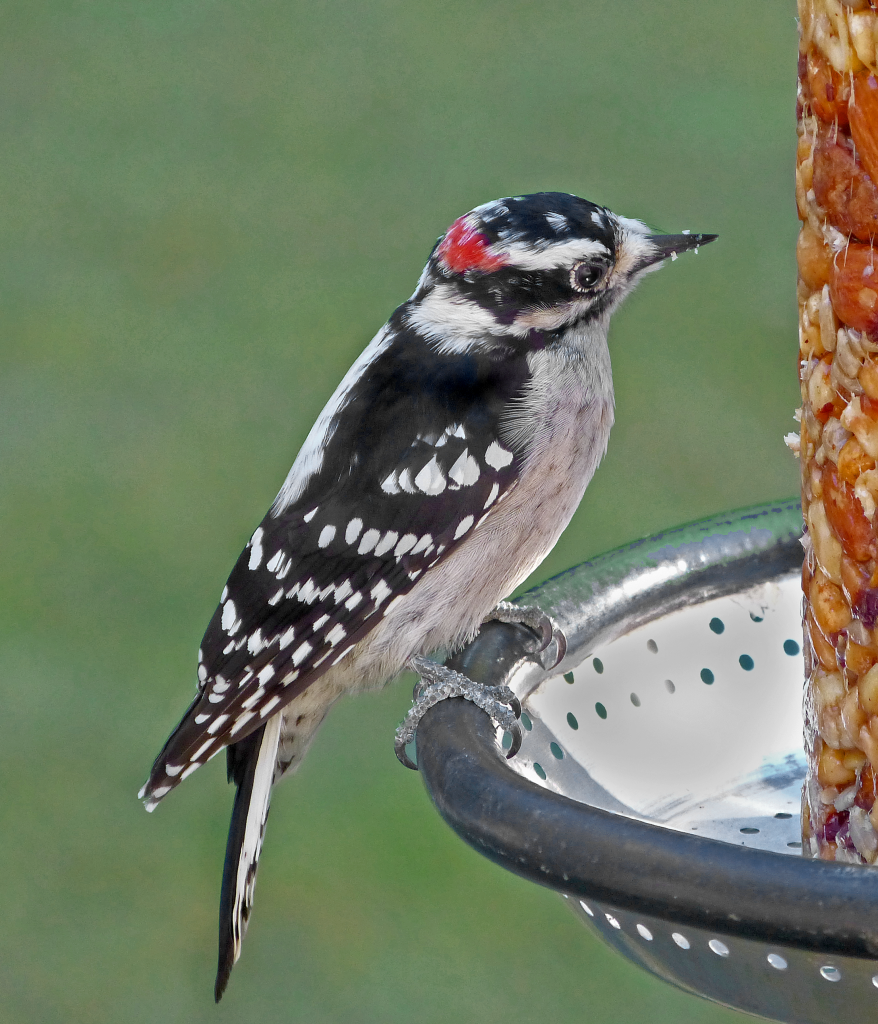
(537, 263)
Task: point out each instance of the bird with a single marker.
(439, 475)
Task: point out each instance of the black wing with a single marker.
(412, 465)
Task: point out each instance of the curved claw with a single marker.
(401, 755)
(515, 705)
(561, 641)
(517, 737)
(547, 633)
(536, 620)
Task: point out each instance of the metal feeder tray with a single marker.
(658, 786)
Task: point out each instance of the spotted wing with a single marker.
(319, 575)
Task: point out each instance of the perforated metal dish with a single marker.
(659, 782)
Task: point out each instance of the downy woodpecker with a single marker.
(438, 477)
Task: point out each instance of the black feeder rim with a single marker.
(585, 852)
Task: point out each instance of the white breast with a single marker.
(563, 423)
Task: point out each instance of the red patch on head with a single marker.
(464, 248)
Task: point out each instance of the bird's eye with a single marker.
(587, 275)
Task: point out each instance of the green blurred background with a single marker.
(207, 210)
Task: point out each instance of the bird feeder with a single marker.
(658, 786)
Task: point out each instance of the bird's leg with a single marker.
(536, 619)
(438, 682)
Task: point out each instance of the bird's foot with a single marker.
(536, 619)
(437, 682)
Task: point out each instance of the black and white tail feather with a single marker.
(251, 766)
(439, 475)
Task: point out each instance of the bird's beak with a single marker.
(663, 246)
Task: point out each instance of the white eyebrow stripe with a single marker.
(554, 255)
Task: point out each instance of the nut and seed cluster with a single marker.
(837, 253)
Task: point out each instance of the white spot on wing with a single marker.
(254, 698)
(389, 484)
(204, 746)
(556, 221)
(423, 544)
(405, 544)
(405, 481)
(380, 592)
(353, 530)
(320, 622)
(387, 542)
(497, 457)
(465, 470)
(326, 536)
(301, 652)
(336, 634)
(430, 480)
(370, 539)
(353, 600)
(229, 617)
(342, 591)
(254, 642)
(463, 526)
(265, 674)
(269, 706)
(241, 721)
(256, 549)
(218, 723)
(310, 515)
(287, 638)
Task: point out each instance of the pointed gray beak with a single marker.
(671, 246)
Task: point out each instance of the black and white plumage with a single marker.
(439, 475)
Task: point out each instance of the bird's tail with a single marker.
(251, 766)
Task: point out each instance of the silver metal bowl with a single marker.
(658, 786)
